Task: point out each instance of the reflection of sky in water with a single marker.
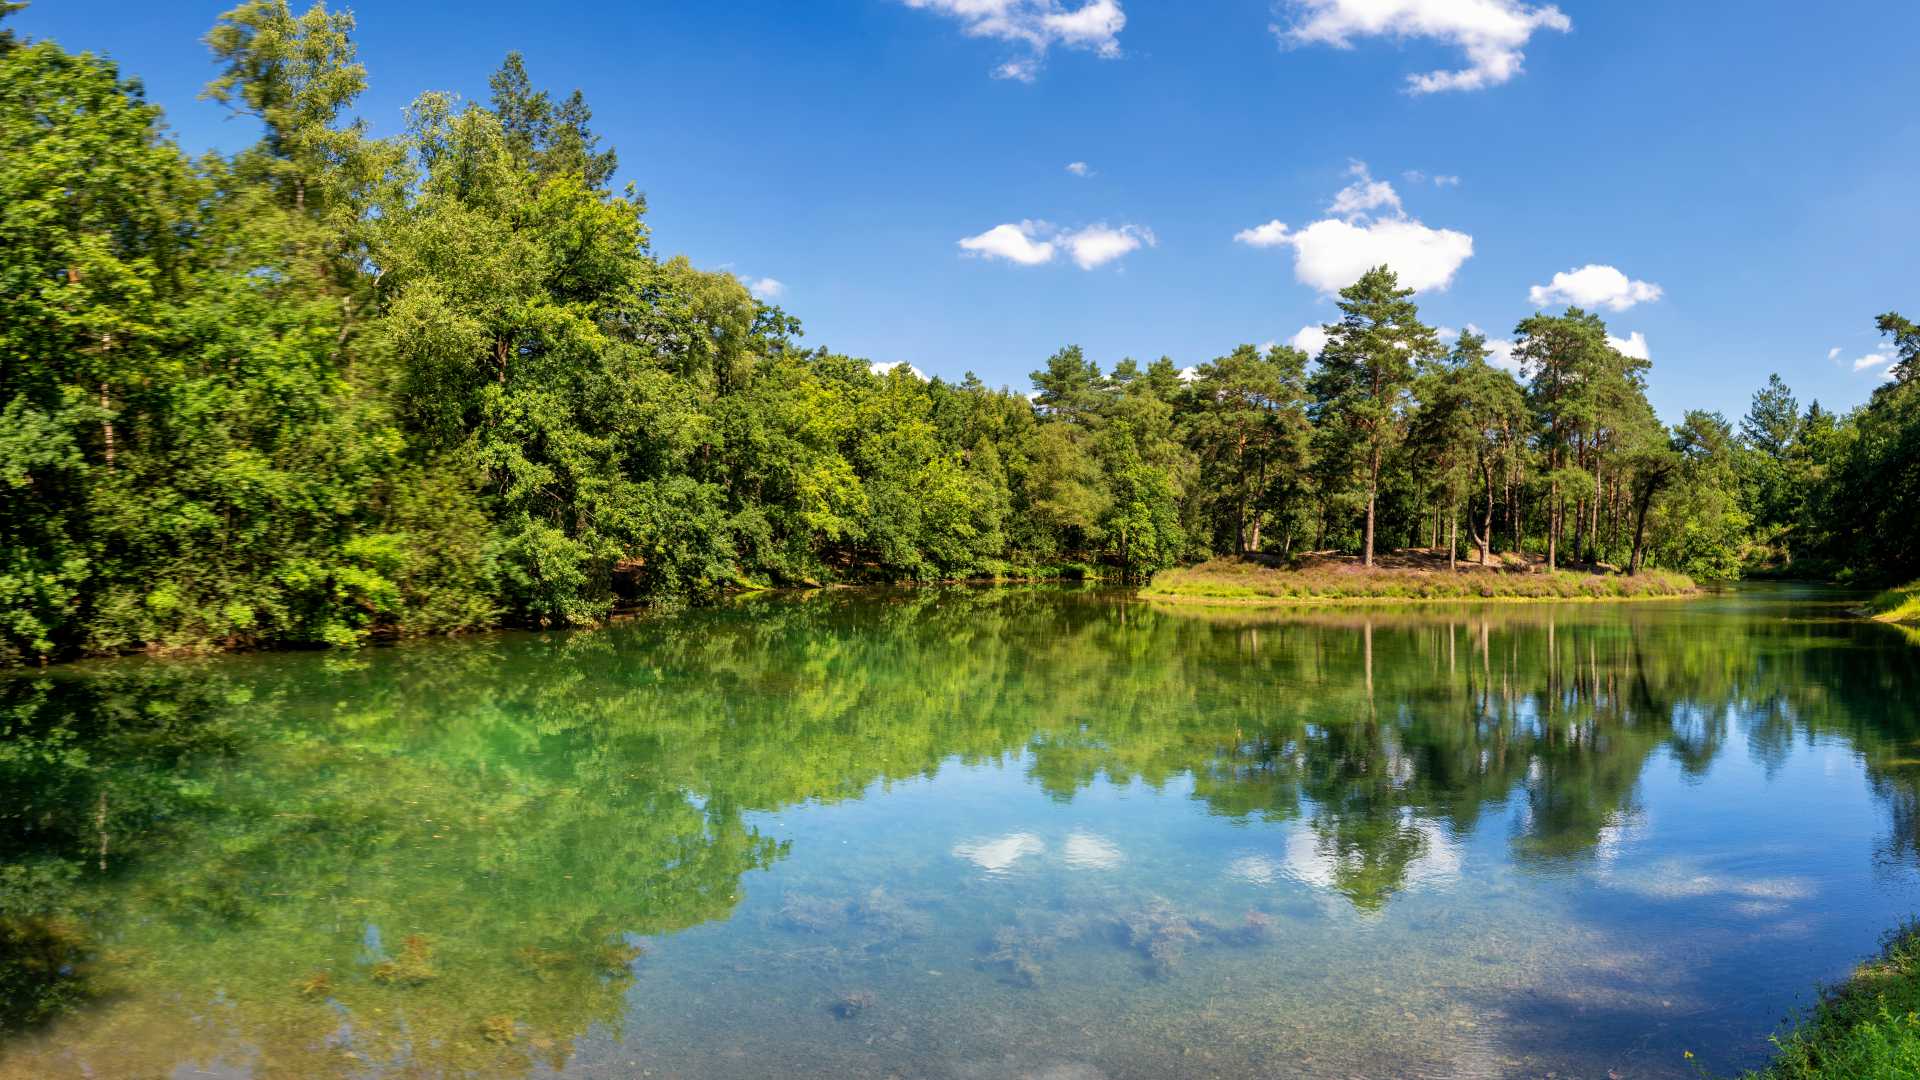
(997, 856)
(1218, 874)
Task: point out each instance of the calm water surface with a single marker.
(965, 834)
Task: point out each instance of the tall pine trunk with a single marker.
(1373, 491)
(1453, 535)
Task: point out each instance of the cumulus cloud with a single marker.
(882, 368)
(1310, 340)
(1097, 245)
(1372, 227)
(1364, 195)
(1080, 168)
(1833, 353)
(1035, 26)
(1033, 243)
(1020, 243)
(1872, 360)
(1634, 345)
(1499, 351)
(1492, 33)
(1594, 285)
(765, 288)
(1330, 255)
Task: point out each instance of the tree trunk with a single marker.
(1593, 524)
(1373, 490)
(1453, 536)
(1640, 533)
(1486, 524)
(1556, 508)
(106, 423)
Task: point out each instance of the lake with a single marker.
(966, 833)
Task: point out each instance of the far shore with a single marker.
(1406, 576)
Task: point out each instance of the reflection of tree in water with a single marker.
(440, 857)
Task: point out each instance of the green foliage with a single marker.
(1897, 605)
(335, 387)
(1867, 1026)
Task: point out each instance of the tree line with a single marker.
(334, 386)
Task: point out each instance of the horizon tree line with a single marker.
(334, 386)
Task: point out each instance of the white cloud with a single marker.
(882, 368)
(1033, 243)
(1492, 33)
(1594, 285)
(1272, 234)
(1634, 345)
(1036, 25)
(1332, 253)
(1097, 245)
(1499, 351)
(1015, 243)
(1364, 195)
(1310, 340)
(1446, 333)
(1080, 168)
(1833, 353)
(1872, 360)
(765, 288)
(1446, 181)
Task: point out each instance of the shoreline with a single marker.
(1396, 601)
(1408, 577)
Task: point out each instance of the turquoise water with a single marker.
(966, 833)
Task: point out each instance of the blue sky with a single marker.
(1753, 162)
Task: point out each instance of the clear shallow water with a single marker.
(965, 834)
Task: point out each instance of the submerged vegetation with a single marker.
(475, 853)
(335, 386)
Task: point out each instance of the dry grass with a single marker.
(1402, 575)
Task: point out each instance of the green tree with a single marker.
(1366, 369)
(1247, 424)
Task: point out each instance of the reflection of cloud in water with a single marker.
(1439, 859)
(1675, 880)
(1255, 869)
(1085, 851)
(1310, 862)
(997, 856)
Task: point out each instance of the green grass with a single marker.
(1900, 605)
(1868, 1026)
(1250, 582)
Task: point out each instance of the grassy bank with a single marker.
(1901, 605)
(1402, 576)
(1868, 1026)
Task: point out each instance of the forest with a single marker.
(335, 387)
